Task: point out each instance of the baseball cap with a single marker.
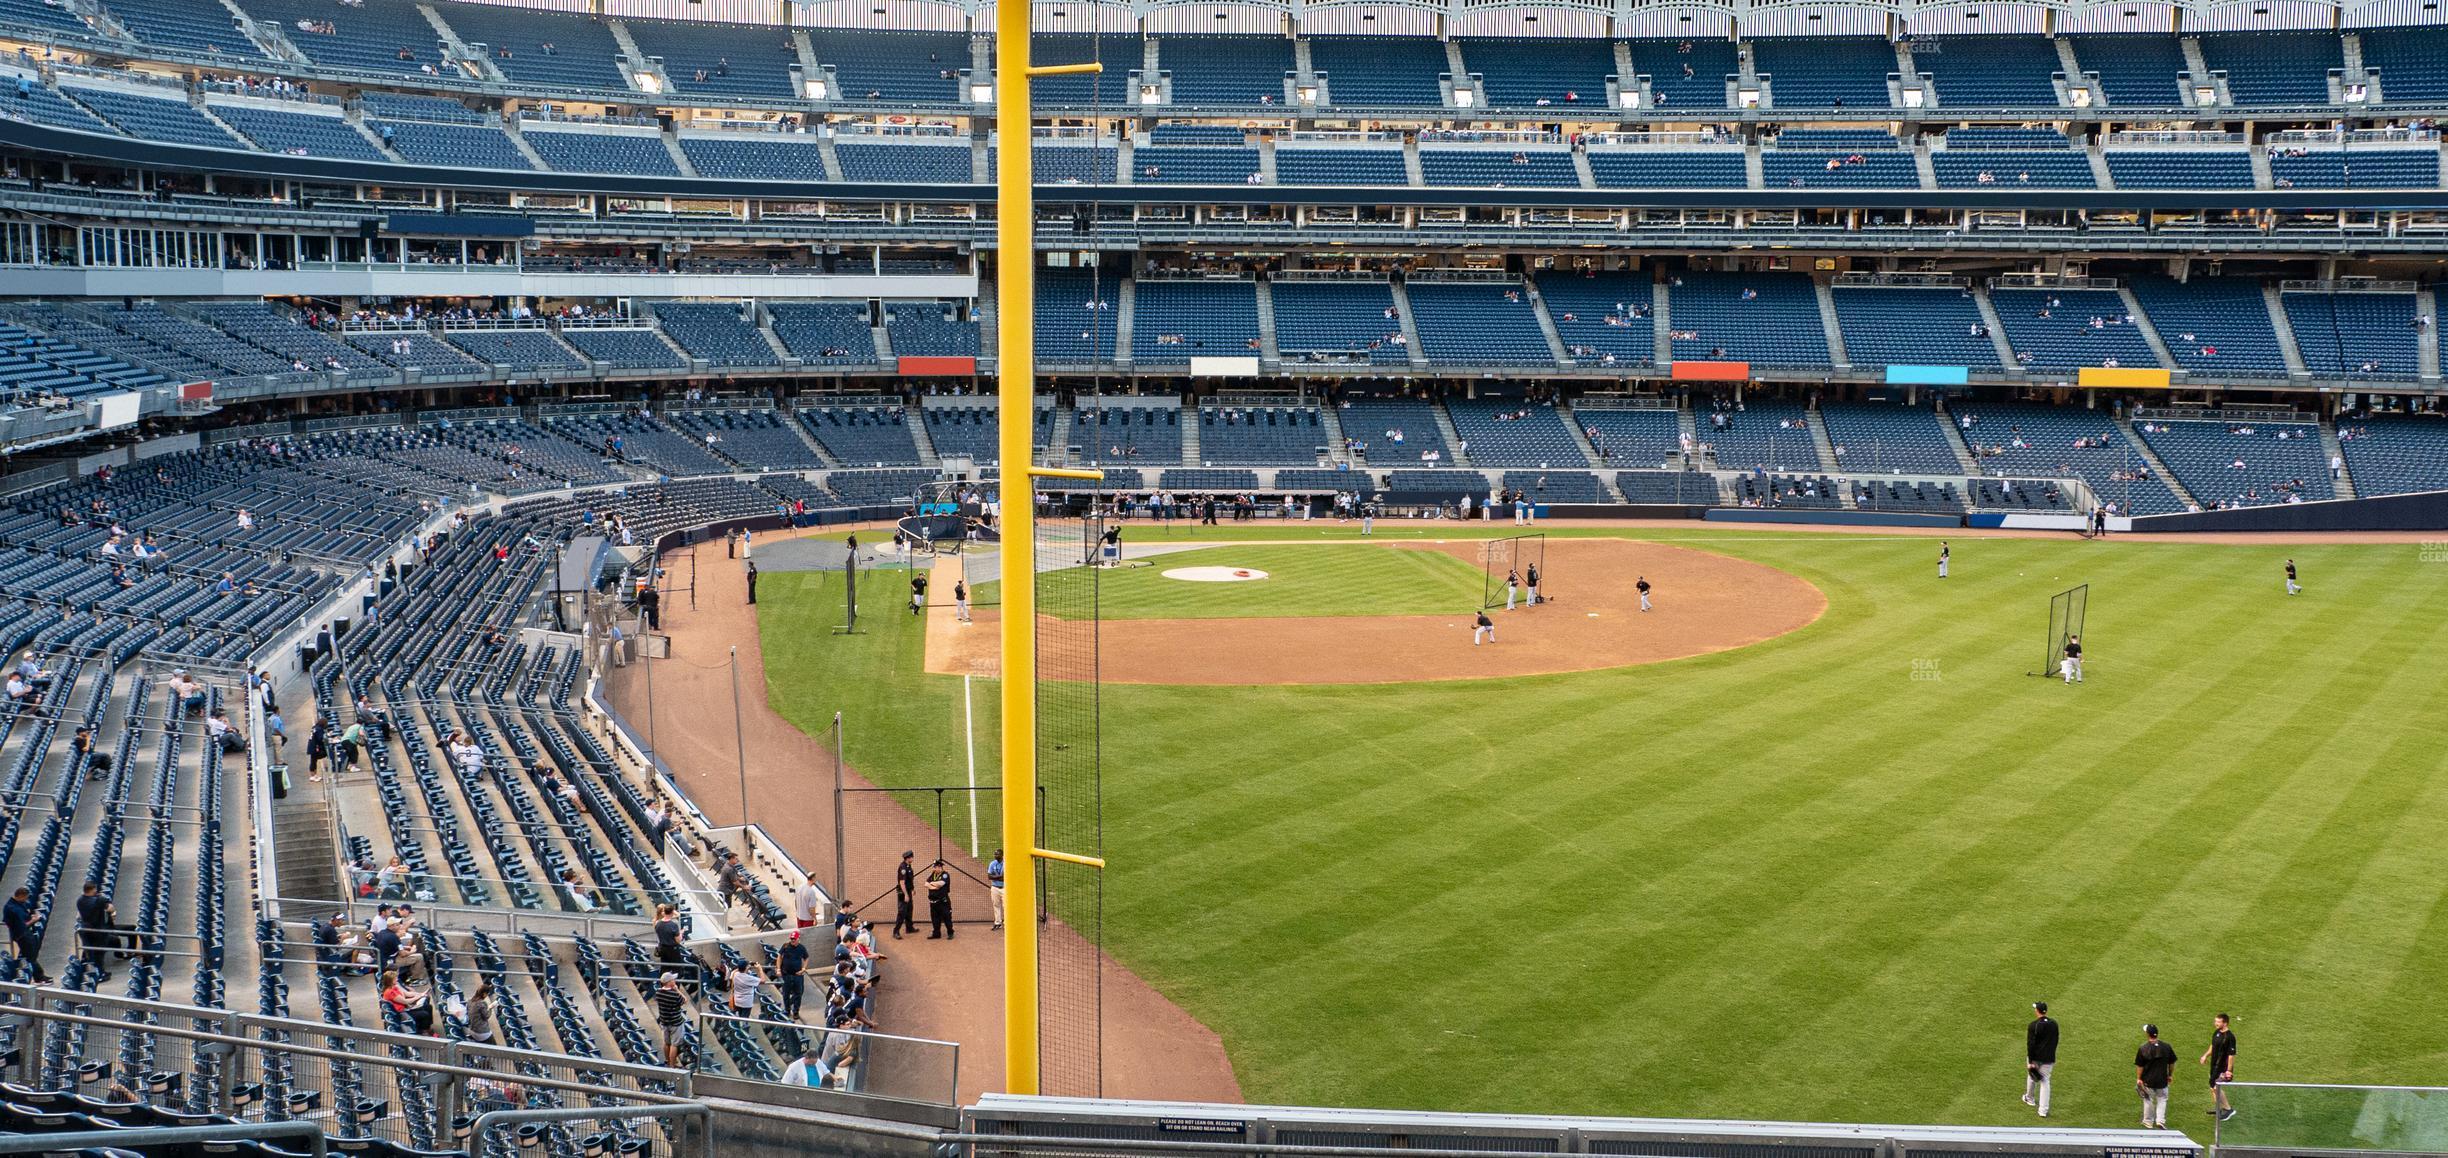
(668, 978)
(2040, 1006)
(794, 936)
(2150, 1029)
(907, 855)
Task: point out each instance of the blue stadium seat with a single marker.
(2393, 455)
(1176, 321)
(912, 162)
(1478, 324)
(552, 50)
(1764, 434)
(1380, 71)
(1394, 431)
(1888, 438)
(895, 67)
(584, 149)
(1337, 322)
(367, 39)
(2356, 335)
(1338, 166)
(1667, 168)
(2238, 464)
(2412, 63)
(1226, 70)
(1193, 165)
(298, 133)
(716, 332)
(863, 435)
(1913, 326)
(2059, 330)
(825, 333)
(931, 329)
(1111, 432)
(458, 146)
(2377, 167)
(2179, 168)
(1501, 167)
(1260, 435)
(1688, 74)
(739, 60)
(2135, 69)
(1512, 432)
(768, 156)
(1551, 72)
(1777, 324)
(1076, 315)
(1989, 71)
(2213, 326)
(1603, 317)
(1826, 71)
(2275, 67)
(2024, 440)
(152, 118)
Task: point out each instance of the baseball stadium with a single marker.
(1223, 578)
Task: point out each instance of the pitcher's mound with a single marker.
(1215, 574)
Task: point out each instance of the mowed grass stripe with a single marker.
(1791, 880)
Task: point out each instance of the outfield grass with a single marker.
(1819, 878)
(1330, 579)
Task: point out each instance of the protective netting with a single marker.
(1070, 806)
(1522, 558)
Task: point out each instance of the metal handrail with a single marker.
(146, 1136)
(492, 1119)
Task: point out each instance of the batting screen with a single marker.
(2065, 622)
(1519, 557)
(1069, 553)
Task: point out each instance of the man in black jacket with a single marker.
(2039, 1057)
(93, 927)
(18, 915)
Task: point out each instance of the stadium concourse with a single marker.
(381, 381)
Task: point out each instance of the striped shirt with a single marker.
(671, 1005)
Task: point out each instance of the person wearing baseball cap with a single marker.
(2154, 1064)
(2039, 1057)
(791, 965)
(671, 1014)
(905, 896)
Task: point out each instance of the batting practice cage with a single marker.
(1070, 812)
(1515, 555)
(2065, 622)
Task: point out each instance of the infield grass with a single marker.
(1327, 579)
(1820, 878)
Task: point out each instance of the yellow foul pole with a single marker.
(1016, 388)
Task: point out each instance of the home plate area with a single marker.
(1215, 574)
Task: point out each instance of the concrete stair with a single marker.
(1267, 348)
(2150, 458)
(305, 844)
(1955, 441)
(2286, 333)
(1547, 326)
(1661, 322)
(2150, 333)
(1453, 436)
(928, 456)
(1997, 329)
(2331, 449)
(2426, 340)
(1126, 310)
(1828, 460)
(510, 127)
(1827, 321)
(1191, 451)
(1580, 437)
(671, 145)
(1330, 420)
(1410, 329)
